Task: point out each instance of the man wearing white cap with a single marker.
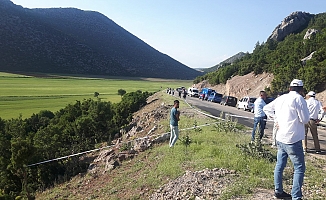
(314, 107)
(292, 114)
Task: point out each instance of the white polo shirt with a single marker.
(292, 114)
(314, 106)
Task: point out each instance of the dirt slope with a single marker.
(239, 86)
(248, 85)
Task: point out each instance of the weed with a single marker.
(255, 148)
(126, 146)
(226, 125)
(186, 141)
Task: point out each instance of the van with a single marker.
(193, 92)
(215, 97)
(246, 103)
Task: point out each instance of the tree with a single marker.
(96, 94)
(121, 92)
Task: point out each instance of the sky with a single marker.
(197, 33)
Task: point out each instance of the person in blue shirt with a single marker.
(260, 116)
(174, 119)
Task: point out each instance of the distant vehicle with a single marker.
(229, 100)
(205, 92)
(215, 97)
(193, 92)
(267, 101)
(246, 103)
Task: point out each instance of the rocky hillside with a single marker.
(73, 41)
(239, 86)
(249, 85)
(295, 49)
(294, 23)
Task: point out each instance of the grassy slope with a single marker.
(140, 177)
(26, 95)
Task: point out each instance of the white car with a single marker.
(246, 103)
(193, 92)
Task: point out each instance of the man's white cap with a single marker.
(296, 82)
(311, 93)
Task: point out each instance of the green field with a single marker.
(25, 95)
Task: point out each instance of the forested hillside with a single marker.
(73, 41)
(299, 55)
(44, 136)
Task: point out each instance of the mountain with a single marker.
(295, 49)
(230, 60)
(73, 41)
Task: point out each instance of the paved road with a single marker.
(247, 119)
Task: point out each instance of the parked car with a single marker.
(215, 97)
(246, 103)
(205, 92)
(229, 100)
(269, 99)
(193, 92)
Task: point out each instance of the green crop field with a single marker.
(25, 95)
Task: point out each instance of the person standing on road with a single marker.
(174, 119)
(292, 114)
(314, 107)
(260, 116)
(184, 93)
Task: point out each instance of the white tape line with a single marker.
(81, 153)
(72, 155)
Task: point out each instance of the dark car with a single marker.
(229, 100)
(267, 101)
(215, 97)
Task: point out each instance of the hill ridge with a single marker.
(70, 40)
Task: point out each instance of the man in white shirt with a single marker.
(314, 107)
(292, 114)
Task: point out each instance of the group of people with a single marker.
(293, 115)
(181, 92)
